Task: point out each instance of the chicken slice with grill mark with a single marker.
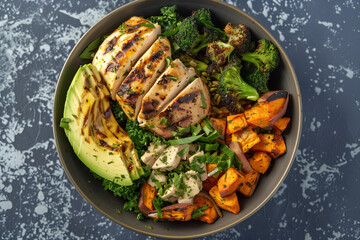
(142, 77)
(121, 49)
(166, 87)
(189, 107)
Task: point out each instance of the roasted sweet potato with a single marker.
(281, 124)
(236, 123)
(271, 143)
(219, 125)
(270, 107)
(247, 187)
(260, 162)
(229, 203)
(147, 194)
(175, 212)
(235, 147)
(212, 213)
(212, 180)
(246, 137)
(229, 182)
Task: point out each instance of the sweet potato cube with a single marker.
(249, 183)
(210, 214)
(271, 143)
(211, 180)
(271, 106)
(281, 124)
(260, 162)
(247, 139)
(229, 182)
(236, 123)
(229, 203)
(219, 125)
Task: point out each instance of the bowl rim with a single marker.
(292, 154)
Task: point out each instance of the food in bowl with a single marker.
(174, 114)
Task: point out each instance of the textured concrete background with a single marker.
(318, 200)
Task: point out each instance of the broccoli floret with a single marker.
(219, 52)
(254, 77)
(232, 88)
(191, 62)
(239, 36)
(265, 57)
(189, 38)
(203, 16)
(169, 20)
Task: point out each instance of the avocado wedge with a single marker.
(97, 139)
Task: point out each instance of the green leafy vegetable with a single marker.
(199, 212)
(157, 205)
(185, 140)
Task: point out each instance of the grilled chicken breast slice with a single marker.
(142, 77)
(189, 107)
(166, 87)
(121, 49)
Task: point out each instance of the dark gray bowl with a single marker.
(104, 201)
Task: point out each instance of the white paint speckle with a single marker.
(5, 205)
(41, 209)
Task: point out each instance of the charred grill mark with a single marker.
(104, 144)
(148, 108)
(156, 55)
(134, 27)
(163, 80)
(188, 98)
(119, 55)
(191, 97)
(110, 68)
(126, 46)
(183, 119)
(111, 43)
(85, 122)
(154, 103)
(107, 114)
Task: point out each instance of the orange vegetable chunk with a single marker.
(229, 203)
(236, 123)
(247, 187)
(210, 214)
(271, 143)
(229, 182)
(247, 139)
(281, 124)
(260, 162)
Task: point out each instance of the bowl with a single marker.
(104, 201)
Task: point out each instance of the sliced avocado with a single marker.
(99, 142)
(105, 122)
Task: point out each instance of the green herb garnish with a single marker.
(199, 212)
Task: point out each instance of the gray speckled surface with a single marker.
(318, 200)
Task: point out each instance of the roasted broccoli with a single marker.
(232, 89)
(239, 37)
(203, 16)
(191, 62)
(189, 38)
(254, 77)
(219, 52)
(265, 57)
(169, 20)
